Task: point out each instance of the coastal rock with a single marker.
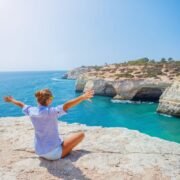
(140, 89)
(141, 68)
(169, 102)
(101, 87)
(138, 80)
(105, 153)
(80, 83)
(75, 73)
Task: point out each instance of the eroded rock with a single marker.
(138, 90)
(105, 153)
(170, 100)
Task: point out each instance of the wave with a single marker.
(166, 115)
(130, 102)
(56, 79)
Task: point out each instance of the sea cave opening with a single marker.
(148, 94)
(109, 90)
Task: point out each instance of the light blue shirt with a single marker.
(44, 120)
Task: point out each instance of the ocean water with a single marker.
(103, 111)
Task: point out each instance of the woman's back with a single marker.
(48, 143)
(44, 120)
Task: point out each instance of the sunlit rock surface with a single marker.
(105, 153)
(170, 100)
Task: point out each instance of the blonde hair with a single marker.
(42, 96)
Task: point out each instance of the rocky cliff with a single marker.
(105, 153)
(138, 69)
(142, 79)
(75, 73)
(169, 102)
(125, 89)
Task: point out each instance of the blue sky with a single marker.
(64, 34)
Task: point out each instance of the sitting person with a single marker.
(48, 143)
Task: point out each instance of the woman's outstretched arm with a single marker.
(10, 99)
(87, 95)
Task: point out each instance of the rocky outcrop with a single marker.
(105, 153)
(80, 83)
(127, 89)
(139, 80)
(75, 73)
(101, 87)
(169, 102)
(138, 69)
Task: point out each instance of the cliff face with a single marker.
(169, 102)
(142, 79)
(127, 89)
(75, 73)
(105, 153)
(138, 69)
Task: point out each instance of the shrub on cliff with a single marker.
(140, 61)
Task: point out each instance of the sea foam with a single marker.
(130, 102)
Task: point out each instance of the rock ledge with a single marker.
(105, 153)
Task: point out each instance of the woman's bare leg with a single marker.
(70, 142)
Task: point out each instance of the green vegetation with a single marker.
(97, 68)
(126, 75)
(140, 61)
(145, 61)
(139, 68)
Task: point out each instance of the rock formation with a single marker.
(127, 89)
(141, 79)
(75, 73)
(169, 102)
(105, 153)
(138, 69)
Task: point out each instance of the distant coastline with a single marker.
(25, 71)
(139, 80)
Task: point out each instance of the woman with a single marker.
(48, 143)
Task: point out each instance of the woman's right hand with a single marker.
(88, 94)
(8, 98)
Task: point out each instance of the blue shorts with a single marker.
(54, 154)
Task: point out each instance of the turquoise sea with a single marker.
(101, 112)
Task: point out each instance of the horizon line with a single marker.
(125, 61)
(31, 70)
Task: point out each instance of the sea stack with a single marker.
(169, 102)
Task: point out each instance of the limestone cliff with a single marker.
(170, 100)
(138, 69)
(75, 73)
(126, 89)
(142, 79)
